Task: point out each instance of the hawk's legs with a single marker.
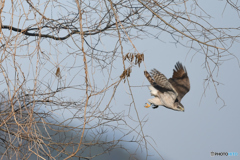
(155, 106)
(149, 105)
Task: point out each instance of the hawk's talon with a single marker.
(155, 106)
(147, 105)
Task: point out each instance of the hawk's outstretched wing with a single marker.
(149, 78)
(159, 81)
(180, 80)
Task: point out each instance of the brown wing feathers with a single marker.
(180, 80)
(158, 80)
(179, 71)
(149, 78)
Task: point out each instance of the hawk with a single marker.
(168, 92)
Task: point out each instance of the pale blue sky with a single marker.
(204, 126)
(193, 134)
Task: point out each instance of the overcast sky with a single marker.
(206, 125)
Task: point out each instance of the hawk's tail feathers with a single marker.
(149, 78)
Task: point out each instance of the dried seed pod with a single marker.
(132, 58)
(58, 72)
(129, 70)
(125, 73)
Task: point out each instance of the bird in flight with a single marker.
(168, 92)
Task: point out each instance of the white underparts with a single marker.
(162, 99)
(154, 91)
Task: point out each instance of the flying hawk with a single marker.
(168, 92)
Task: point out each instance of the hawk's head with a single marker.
(178, 106)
